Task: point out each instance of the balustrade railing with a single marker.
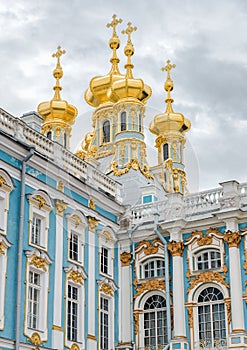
(218, 344)
(67, 160)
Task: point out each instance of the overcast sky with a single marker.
(206, 39)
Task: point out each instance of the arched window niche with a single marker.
(106, 131)
(123, 124)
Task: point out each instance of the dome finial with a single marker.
(129, 49)
(58, 73)
(114, 44)
(168, 86)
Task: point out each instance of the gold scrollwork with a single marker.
(2, 181)
(149, 285)
(1, 248)
(176, 248)
(91, 204)
(38, 262)
(106, 288)
(207, 276)
(228, 310)
(35, 339)
(136, 320)
(232, 238)
(134, 164)
(76, 277)
(149, 248)
(125, 258)
(190, 316)
(74, 347)
(41, 201)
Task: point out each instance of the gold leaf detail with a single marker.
(176, 248)
(232, 238)
(125, 258)
(76, 277)
(106, 288)
(208, 276)
(38, 262)
(149, 285)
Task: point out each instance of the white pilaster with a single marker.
(57, 331)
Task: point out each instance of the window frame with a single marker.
(106, 241)
(38, 262)
(106, 136)
(209, 261)
(76, 224)
(4, 245)
(149, 261)
(6, 186)
(123, 121)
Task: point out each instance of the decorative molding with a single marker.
(149, 248)
(134, 164)
(35, 339)
(76, 276)
(60, 186)
(41, 201)
(91, 204)
(207, 276)
(149, 285)
(204, 239)
(125, 258)
(92, 223)
(190, 309)
(39, 262)
(60, 207)
(136, 320)
(74, 346)
(228, 310)
(77, 220)
(91, 336)
(2, 181)
(106, 288)
(1, 248)
(57, 328)
(176, 248)
(232, 239)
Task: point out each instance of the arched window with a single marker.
(205, 260)
(49, 134)
(140, 122)
(211, 317)
(165, 151)
(153, 268)
(155, 324)
(123, 121)
(106, 131)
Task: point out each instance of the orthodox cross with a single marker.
(129, 30)
(58, 54)
(168, 68)
(114, 23)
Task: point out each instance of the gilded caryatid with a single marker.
(170, 128)
(58, 115)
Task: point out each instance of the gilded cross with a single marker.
(114, 23)
(129, 30)
(58, 54)
(168, 67)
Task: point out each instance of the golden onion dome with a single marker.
(170, 120)
(129, 87)
(96, 94)
(57, 111)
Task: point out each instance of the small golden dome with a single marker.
(96, 94)
(57, 111)
(129, 87)
(170, 120)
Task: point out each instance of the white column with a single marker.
(57, 331)
(176, 249)
(233, 238)
(91, 338)
(125, 296)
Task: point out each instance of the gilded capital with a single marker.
(176, 248)
(125, 258)
(92, 223)
(232, 239)
(60, 207)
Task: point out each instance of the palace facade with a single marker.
(98, 250)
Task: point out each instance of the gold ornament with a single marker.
(1, 248)
(149, 285)
(38, 262)
(41, 201)
(74, 347)
(228, 310)
(91, 204)
(149, 248)
(208, 276)
(35, 339)
(176, 248)
(60, 207)
(125, 258)
(106, 288)
(76, 277)
(2, 181)
(232, 238)
(190, 316)
(92, 223)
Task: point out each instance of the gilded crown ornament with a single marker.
(114, 44)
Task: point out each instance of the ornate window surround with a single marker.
(38, 261)
(107, 240)
(40, 206)
(192, 302)
(77, 223)
(213, 240)
(107, 287)
(75, 276)
(145, 251)
(6, 186)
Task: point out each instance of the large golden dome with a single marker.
(96, 94)
(129, 87)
